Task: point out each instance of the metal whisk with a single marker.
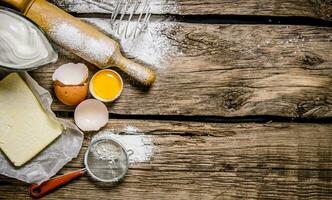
(130, 7)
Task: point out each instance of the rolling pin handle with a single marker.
(143, 75)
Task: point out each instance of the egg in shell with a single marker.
(70, 82)
(91, 115)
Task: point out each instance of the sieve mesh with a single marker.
(106, 160)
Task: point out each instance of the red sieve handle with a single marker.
(38, 191)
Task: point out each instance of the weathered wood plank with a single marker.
(225, 70)
(140, 184)
(216, 161)
(304, 8)
(230, 147)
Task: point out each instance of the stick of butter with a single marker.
(25, 128)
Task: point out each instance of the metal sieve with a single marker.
(105, 160)
(103, 165)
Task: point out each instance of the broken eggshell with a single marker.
(70, 82)
(91, 115)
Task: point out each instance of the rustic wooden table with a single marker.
(222, 67)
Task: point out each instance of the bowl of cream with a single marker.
(23, 46)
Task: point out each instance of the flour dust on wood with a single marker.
(108, 6)
(151, 47)
(132, 139)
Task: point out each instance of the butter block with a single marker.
(25, 128)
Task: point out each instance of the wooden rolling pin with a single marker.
(81, 38)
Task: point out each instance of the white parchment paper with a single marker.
(48, 162)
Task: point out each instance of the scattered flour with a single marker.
(131, 129)
(107, 6)
(151, 46)
(139, 143)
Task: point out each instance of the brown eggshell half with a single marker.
(71, 95)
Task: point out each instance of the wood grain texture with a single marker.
(225, 70)
(213, 161)
(305, 8)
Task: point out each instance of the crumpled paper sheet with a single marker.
(50, 160)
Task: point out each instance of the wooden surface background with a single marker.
(219, 71)
(321, 9)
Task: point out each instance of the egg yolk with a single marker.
(106, 85)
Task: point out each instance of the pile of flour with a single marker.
(132, 139)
